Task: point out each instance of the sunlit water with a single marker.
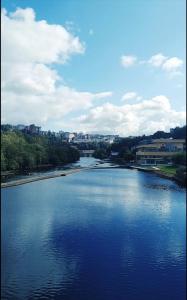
(96, 235)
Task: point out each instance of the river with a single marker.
(111, 234)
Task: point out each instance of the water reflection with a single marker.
(99, 234)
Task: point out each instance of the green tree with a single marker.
(179, 158)
(100, 153)
(3, 162)
(21, 151)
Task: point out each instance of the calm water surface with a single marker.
(111, 234)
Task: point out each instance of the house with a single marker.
(68, 136)
(159, 151)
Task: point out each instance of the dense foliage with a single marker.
(179, 159)
(178, 132)
(181, 175)
(21, 151)
(101, 153)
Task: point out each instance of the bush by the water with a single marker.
(181, 174)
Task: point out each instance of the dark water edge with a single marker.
(100, 234)
(82, 162)
(19, 174)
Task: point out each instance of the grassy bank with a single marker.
(177, 173)
(168, 170)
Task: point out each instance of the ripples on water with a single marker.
(95, 235)
(163, 187)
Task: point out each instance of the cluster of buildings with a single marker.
(91, 138)
(148, 152)
(70, 137)
(159, 151)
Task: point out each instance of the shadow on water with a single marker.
(153, 181)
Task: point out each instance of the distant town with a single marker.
(70, 137)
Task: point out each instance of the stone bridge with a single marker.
(86, 153)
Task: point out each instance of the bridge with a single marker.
(86, 153)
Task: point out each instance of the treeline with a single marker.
(21, 151)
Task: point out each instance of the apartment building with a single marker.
(159, 151)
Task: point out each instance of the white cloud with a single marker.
(172, 64)
(25, 39)
(128, 60)
(157, 60)
(32, 90)
(28, 78)
(168, 64)
(42, 108)
(132, 119)
(103, 95)
(129, 95)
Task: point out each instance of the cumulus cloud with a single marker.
(172, 64)
(128, 60)
(157, 60)
(32, 90)
(129, 95)
(103, 95)
(45, 107)
(145, 117)
(25, 39)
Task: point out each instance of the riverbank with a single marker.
(164, 172)
(167, 172)
(6, 175)
(37, 178)
(173, 174)
(53, 175)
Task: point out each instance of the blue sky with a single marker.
(108, 30)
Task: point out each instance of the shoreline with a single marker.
(43, 177)
(72, 171)
(171, 177)
(38, 178)
(160, 174)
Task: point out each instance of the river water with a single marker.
(111, 234)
